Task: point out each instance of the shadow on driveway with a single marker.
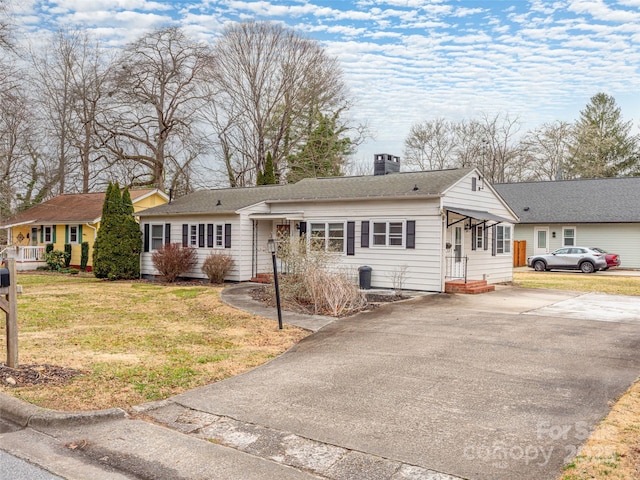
(464, 385)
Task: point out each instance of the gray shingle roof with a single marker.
(392, 185)
(602, 200)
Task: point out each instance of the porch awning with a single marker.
(275, 216)
(478, 214)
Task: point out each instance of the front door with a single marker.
(541, 240)
(283, 234)
(33, 237)
(458, 252)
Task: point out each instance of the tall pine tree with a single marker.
(116, 252)
(604, 145)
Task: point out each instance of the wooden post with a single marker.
(10, 306)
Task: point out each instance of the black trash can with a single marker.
(365, 277)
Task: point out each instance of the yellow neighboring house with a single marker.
(68, 218)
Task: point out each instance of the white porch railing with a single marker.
(26, 254)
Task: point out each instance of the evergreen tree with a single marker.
(603, 145)
(268, 175)
(116, 253)
(323, 155)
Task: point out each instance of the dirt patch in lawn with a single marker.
(38, 374)
(85, 344)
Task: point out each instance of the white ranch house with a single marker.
(442, 225)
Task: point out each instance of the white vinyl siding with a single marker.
(157, 238)
(620, 238)
(481, 264)
(423, 271)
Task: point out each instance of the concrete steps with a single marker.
(471, 287)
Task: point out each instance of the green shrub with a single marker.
(67, 255)
(56, 260)
(116, 252)
(84, 255)
(217, 265)
(173, 259)
(48, 248)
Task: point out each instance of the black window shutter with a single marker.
(227, 235)
(201, 235)
(473, 237)
(494, 240)
(364, 234)
(185, 235)
(146, 237)
(351, 238)
(303, 228)
(411, 234)
(167, 233)
(210, 235)
(485, 231)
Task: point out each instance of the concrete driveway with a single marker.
(479, 387)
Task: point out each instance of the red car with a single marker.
(613, 259)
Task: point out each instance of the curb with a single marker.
(25, 414)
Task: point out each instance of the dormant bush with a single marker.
(311, 279)
(217, 265)
(172, 260)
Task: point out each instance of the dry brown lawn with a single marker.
(134, 342)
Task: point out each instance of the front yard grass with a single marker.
(580, 282)
(134, 342)
(613, 450)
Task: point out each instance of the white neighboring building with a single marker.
(438, 225)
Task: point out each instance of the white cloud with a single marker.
(601, 11)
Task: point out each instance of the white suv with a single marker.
(585, 259)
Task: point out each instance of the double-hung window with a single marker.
(219, 236)
(327, 236)
(503, 239)
(157, 236)
(47, 234)
(568, 236)
(479, 234)
(388, 234)
(73, 234)
(193, 235)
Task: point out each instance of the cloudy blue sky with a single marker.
(411, 60)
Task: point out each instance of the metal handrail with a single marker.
(456, 267)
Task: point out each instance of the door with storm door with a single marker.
(457, 263)
(541, 240)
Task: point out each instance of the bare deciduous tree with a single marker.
(272, 86)
(155, 91)
(547, 147)
(430, 145)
